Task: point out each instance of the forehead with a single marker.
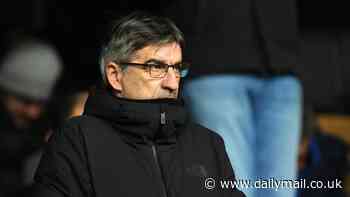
(169, 53)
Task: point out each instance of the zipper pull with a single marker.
(162, 118)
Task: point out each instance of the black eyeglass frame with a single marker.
(181, 68)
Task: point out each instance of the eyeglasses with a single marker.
(159, 70)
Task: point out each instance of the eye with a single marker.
(157, 66)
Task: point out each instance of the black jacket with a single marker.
(133, 148)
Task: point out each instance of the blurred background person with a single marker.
(322, 157)
(28, 74)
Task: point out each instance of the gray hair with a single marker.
(135, 32)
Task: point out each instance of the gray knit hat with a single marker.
(31, 70)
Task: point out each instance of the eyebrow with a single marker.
(157, 61)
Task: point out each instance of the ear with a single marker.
(114, 76)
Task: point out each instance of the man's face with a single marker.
(23, 113)
(136, 83)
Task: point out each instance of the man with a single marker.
(135, 138)
(28, 73)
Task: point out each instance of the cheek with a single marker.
(129, 84)
(154, 85)
(148, 87)
(135, 86)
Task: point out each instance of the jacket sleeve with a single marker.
(63, 167)
(226, 170)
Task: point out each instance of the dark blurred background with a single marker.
(77, 29)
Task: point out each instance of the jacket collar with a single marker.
(139, 121)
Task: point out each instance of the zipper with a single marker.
(155, 157)
(162, 118)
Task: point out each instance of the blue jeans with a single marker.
(259, 120)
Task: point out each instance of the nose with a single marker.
(170, 81)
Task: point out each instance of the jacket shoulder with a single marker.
(63, 169)
(200, 132)
(78, 123)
